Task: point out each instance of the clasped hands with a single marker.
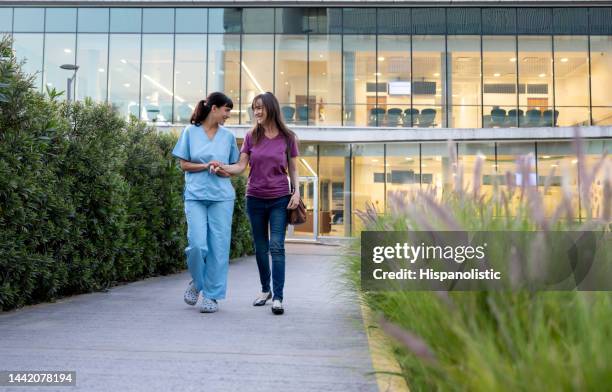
(214, 167)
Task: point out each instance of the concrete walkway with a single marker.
(143, 337)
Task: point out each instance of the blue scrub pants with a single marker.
(209, 230)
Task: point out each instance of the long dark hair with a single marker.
(273, 113)
(204, 106)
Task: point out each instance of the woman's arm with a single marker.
(237, 167)
(193, 167)
(295, 183)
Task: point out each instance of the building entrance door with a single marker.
(308, 231)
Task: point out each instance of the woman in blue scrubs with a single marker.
(209, 199)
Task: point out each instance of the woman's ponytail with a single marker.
(200, 113)
(204, 106)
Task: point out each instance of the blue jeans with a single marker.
(269, 214)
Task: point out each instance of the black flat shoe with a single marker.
(262, 299)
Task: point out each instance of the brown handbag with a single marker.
(297, 215)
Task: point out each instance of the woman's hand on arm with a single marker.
(237, 167)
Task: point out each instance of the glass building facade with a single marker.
(378, 67)
(397, 68)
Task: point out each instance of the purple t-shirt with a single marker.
(268, 159)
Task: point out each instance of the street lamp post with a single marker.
(69, 81)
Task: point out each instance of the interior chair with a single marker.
(288, 113)
(498, 117)
(427, 117)
(533, 118)
(376, 117)
(394, 116)
(410, 117)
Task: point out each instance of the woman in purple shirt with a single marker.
(269, 193)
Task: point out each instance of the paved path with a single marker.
(142, 336)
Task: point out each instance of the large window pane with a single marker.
(257, 70)
(224, 68)
(325, 82)
(394, 79)
(157, 52)
(394, 21)
(291, 73)
(124, 67)
(29, 19)
(335, 187)
(509, 157)
(360, 77)
(557, 170)
(428, 88)
(191, 20)
(29, 47)
(158, 20)
(601, 64)
(436, 169)
(59, 50)
(484, 178)
(535, 79)
(258, 20)
(92, 57)
(403, 168)
(125, 20)
(359, 21)
(93, 20)
(499, 77)
(594, 149)
(189, 75)
(225, 20)
(368, 180)
(61, 20)
(307, 166)
(463, 81)
(6, 20)
(292, 20)
(571, 79)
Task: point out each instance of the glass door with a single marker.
(310, 229)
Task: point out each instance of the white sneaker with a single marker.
(191, 294)
(262, 299)
(277, 307)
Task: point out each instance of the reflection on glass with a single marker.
(258, 20)
(594, 150)
(470, 154)
(292, 20)
(93, 20)
(360, 78)
(602, 116)
(92, 55)
(6, 20)
(368, 180)
(189, 75)
(158, 20)
(224, 20)
(124, 67)
(335, 188)
(403, 168)
(463, 81)
(436, 170)
(307, 169)
(601, 64)
(61, 20)
(29, 19)
(557, 175)
(157, 78)
(125, 20)
(291, 74)
(499, 77)
(191, 20)
(59, 50)
(257, 70)
(224, 69)
(393, 60)
(325, 82)
(428, 89)
(29, 48)
(509, 157)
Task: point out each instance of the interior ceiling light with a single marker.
(564, 60)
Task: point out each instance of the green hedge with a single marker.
(87, 199)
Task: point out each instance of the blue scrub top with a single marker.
(195, 146)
